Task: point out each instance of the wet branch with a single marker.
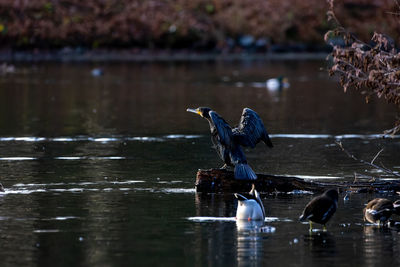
(392, 131)
(376, 156)
(371, 164)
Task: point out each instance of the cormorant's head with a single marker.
(202, 111)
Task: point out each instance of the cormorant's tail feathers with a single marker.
(244, 172)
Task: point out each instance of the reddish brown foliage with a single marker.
(372, 68)
(168, 23)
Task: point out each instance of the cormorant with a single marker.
(378, 211)
(228, 141)
(321, 208)
(250, 206)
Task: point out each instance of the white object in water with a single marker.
(97, 72)
(250, 209)
(275, 84)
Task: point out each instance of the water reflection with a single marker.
(131, 99)
(380, 245)
(250, 226)
(250, 250)
(322, 244)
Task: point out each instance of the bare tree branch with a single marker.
(371, 164)
(377, 155)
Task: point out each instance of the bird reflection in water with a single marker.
(321, 243)
(379, 242)
(254, 227)
(251, 236)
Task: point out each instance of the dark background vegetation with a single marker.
(222, 25)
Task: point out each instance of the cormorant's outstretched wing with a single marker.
(251, 130)
(223, 128)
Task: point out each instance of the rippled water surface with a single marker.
(99, 171)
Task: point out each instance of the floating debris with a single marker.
(6, 68)
(97, 72)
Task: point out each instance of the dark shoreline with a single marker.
(148, 56)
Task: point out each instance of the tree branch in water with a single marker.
(371, 164)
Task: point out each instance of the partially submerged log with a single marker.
(221, 180)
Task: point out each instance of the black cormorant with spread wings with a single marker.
(228, 141)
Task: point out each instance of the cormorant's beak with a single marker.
(194, 111)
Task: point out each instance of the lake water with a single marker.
(100, 171)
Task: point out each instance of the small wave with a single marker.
(108, 189)
(86, 183)
(145, 139)
(181, 136)
(313, 177)
(98, 139)
(276, 219)
(126, 182)
(232, 219)
(169, 182)
(179, 190)
(78, 183)
(63, 218)
(259, 84)
(300, 192)
(105, 140)
(69, 158)
(63, 158)
(271, 219)
(330, 136)
(17, 158)
(91, 158)
(302, 136)
(46, 231)
(33, 185)
(22, 191)
(212, 219)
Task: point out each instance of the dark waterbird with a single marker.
(228, 142)
(321, 208)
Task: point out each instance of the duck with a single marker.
(321, 208)
(250, 206)
(276, 84)
(378, 211)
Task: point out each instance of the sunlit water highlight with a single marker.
(165, 138)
